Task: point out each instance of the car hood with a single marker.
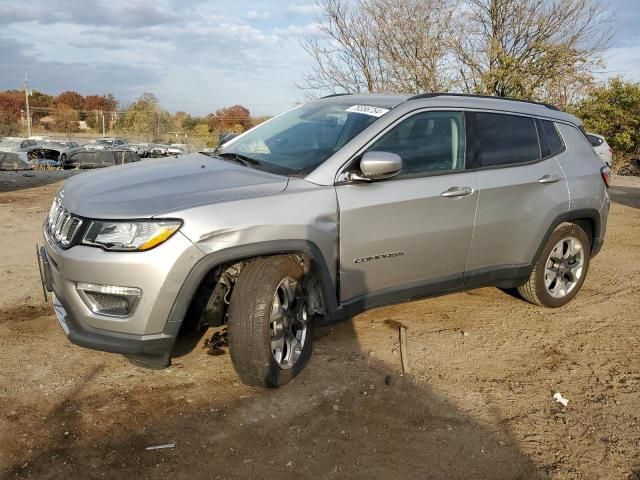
(158, 187)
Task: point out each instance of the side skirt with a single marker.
(503, 277)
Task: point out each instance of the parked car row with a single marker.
(42, 152)
(170, 150)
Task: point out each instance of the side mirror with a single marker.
(378, 166)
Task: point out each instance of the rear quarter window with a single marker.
(550, 139)
(506, 139)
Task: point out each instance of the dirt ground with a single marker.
(477, 403)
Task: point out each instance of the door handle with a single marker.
(455, 192)
(549, 179)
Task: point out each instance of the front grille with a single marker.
(62, 226)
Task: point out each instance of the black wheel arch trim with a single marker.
(571, 216)
(244, 252)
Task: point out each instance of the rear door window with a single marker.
(506, 139)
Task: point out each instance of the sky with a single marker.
(194, 55)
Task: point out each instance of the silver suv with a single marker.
(334, 207)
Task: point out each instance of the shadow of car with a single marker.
(99, 158)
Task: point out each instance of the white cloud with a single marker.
(624, 61)
(256, 15)
(196, 58)
(303, 9)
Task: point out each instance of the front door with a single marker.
(411, 232)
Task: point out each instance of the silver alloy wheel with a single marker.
(564, 267)
(288, 323)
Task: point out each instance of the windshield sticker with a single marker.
(368, 110)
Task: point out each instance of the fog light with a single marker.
(108, 299)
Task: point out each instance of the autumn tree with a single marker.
(66, 118)
(230, 119)
(11, 108)
(70, 99)
(94, 104)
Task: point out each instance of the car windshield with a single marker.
(299, 140)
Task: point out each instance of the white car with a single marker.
(601, 147)
(107, 143)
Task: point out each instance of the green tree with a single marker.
(144, 117)
(613, 110)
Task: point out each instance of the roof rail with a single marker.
(335, 95)
(493, 97)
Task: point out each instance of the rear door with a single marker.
(522, 188)
(413, 230)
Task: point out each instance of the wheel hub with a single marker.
(288, 323)
(564, 267)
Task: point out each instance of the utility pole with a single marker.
(102, 115)
(26, 98)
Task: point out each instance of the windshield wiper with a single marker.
(239, 158)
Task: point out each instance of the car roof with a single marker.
(373, 99)
(456, 100)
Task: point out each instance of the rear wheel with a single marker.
(561, 269)
(270, 329)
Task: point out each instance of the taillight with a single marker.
(606, 176)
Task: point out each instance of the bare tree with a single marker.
(529, 48)
(348, 59)
(413, 38)
(381, 45)
(545, 49)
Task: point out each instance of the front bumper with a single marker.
(153, 351)
(145, 335)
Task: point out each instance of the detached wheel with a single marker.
(270, 330)
(561, 269)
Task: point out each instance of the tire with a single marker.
(555, 280)
(252, 330)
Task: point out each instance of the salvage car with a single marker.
(53, 153)
(142, 149)
(337, 206)
(85, 159)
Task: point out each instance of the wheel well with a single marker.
(587, 224)
(209, 304)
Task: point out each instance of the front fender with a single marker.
(243, 252)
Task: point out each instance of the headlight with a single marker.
(129, 236)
